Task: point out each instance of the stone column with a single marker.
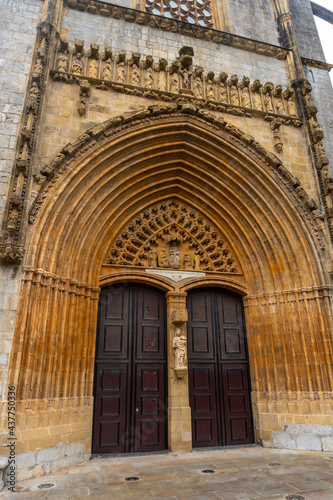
(179, 412)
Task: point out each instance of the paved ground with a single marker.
(245, 473)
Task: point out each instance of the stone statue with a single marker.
(62, 62)
(161, 80)
(186, 80)
(187, 261)
(149, 78)
(107, 70)
(246, 97)
(77, 68)
(291, 106)
(174, 254)
(93, 68)
(121, 73)
(198, 87)
(179, 348)
(135, 75)
(163, 259)
(268, 103)
(174, 83)
(38, 66)
(197, 262)
(210, 91)
(153, 259)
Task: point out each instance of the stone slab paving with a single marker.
(247, 473)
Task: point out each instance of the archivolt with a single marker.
(117, 169)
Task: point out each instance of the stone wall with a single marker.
(255, 19)
(18, 32)
(121, 35)
(306, 31)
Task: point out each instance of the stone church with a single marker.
(167, 227)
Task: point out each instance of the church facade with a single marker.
(166, 247)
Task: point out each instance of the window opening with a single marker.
(191, 11)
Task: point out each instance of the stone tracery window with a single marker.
(191, 11)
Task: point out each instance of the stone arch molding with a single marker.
(118, 169)
(245, 143)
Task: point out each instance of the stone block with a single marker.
(25, 460)
(327, 443)
(308, 442)
(283, 440)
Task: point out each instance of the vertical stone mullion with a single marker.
(179, 411)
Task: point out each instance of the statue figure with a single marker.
(62, 62)
(210, 91)
(223, 94)
(197, 262)
(38, 66)
(268, 103)
(291, 106)
(246, 97)
(121, 73)
(149, 78)
(12, 219)
(187, 261)
(153, 259)
(77, 68)
(135, 75)
(163, 259)
(174, 254)
(107, 70)
(174, 83)
(179, 347)
(198, 87)
(186, 80)
(93, 68)
(161, 80)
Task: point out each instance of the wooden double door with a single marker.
(130, 378)
(218, 369)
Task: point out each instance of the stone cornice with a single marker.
(97, 7)
(317, 64)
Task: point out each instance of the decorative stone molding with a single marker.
(102, 132)
(3, 466)
(172, 235)
(175, 26)
(12, 241)
(190, 11)
(317, 64)
(179, 316)
(172, 82)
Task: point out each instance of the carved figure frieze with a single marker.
(160, 80)
(172, 236)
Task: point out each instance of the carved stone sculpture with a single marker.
(256, 96)
(267, 91)
(223, 94)
(279, 102)
(62, 61)
(210, 86)
(179, 348)
(174, 83)
(107, 71)
(245, 94)
(77, 67)
(234, 95)
(121, 72)
(149, 78)
(93, 69)
(135, 75)
(289, 96)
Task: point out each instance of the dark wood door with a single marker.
(130, 381)
(218, 369)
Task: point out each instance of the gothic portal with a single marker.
(167, 226)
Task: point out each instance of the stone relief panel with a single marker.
(179, 80)
(170, 235)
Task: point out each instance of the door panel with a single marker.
(218, 369)
(130, 394)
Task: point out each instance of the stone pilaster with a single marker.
(179, 411)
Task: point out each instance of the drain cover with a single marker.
(208, 471)
(132, 478)
(45, 486)
(275, 464)
(295, 497)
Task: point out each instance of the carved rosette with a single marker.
(172, 235)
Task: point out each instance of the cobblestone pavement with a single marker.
(243, 473)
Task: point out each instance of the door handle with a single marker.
(137, 410)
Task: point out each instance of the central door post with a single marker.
(179, 412)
